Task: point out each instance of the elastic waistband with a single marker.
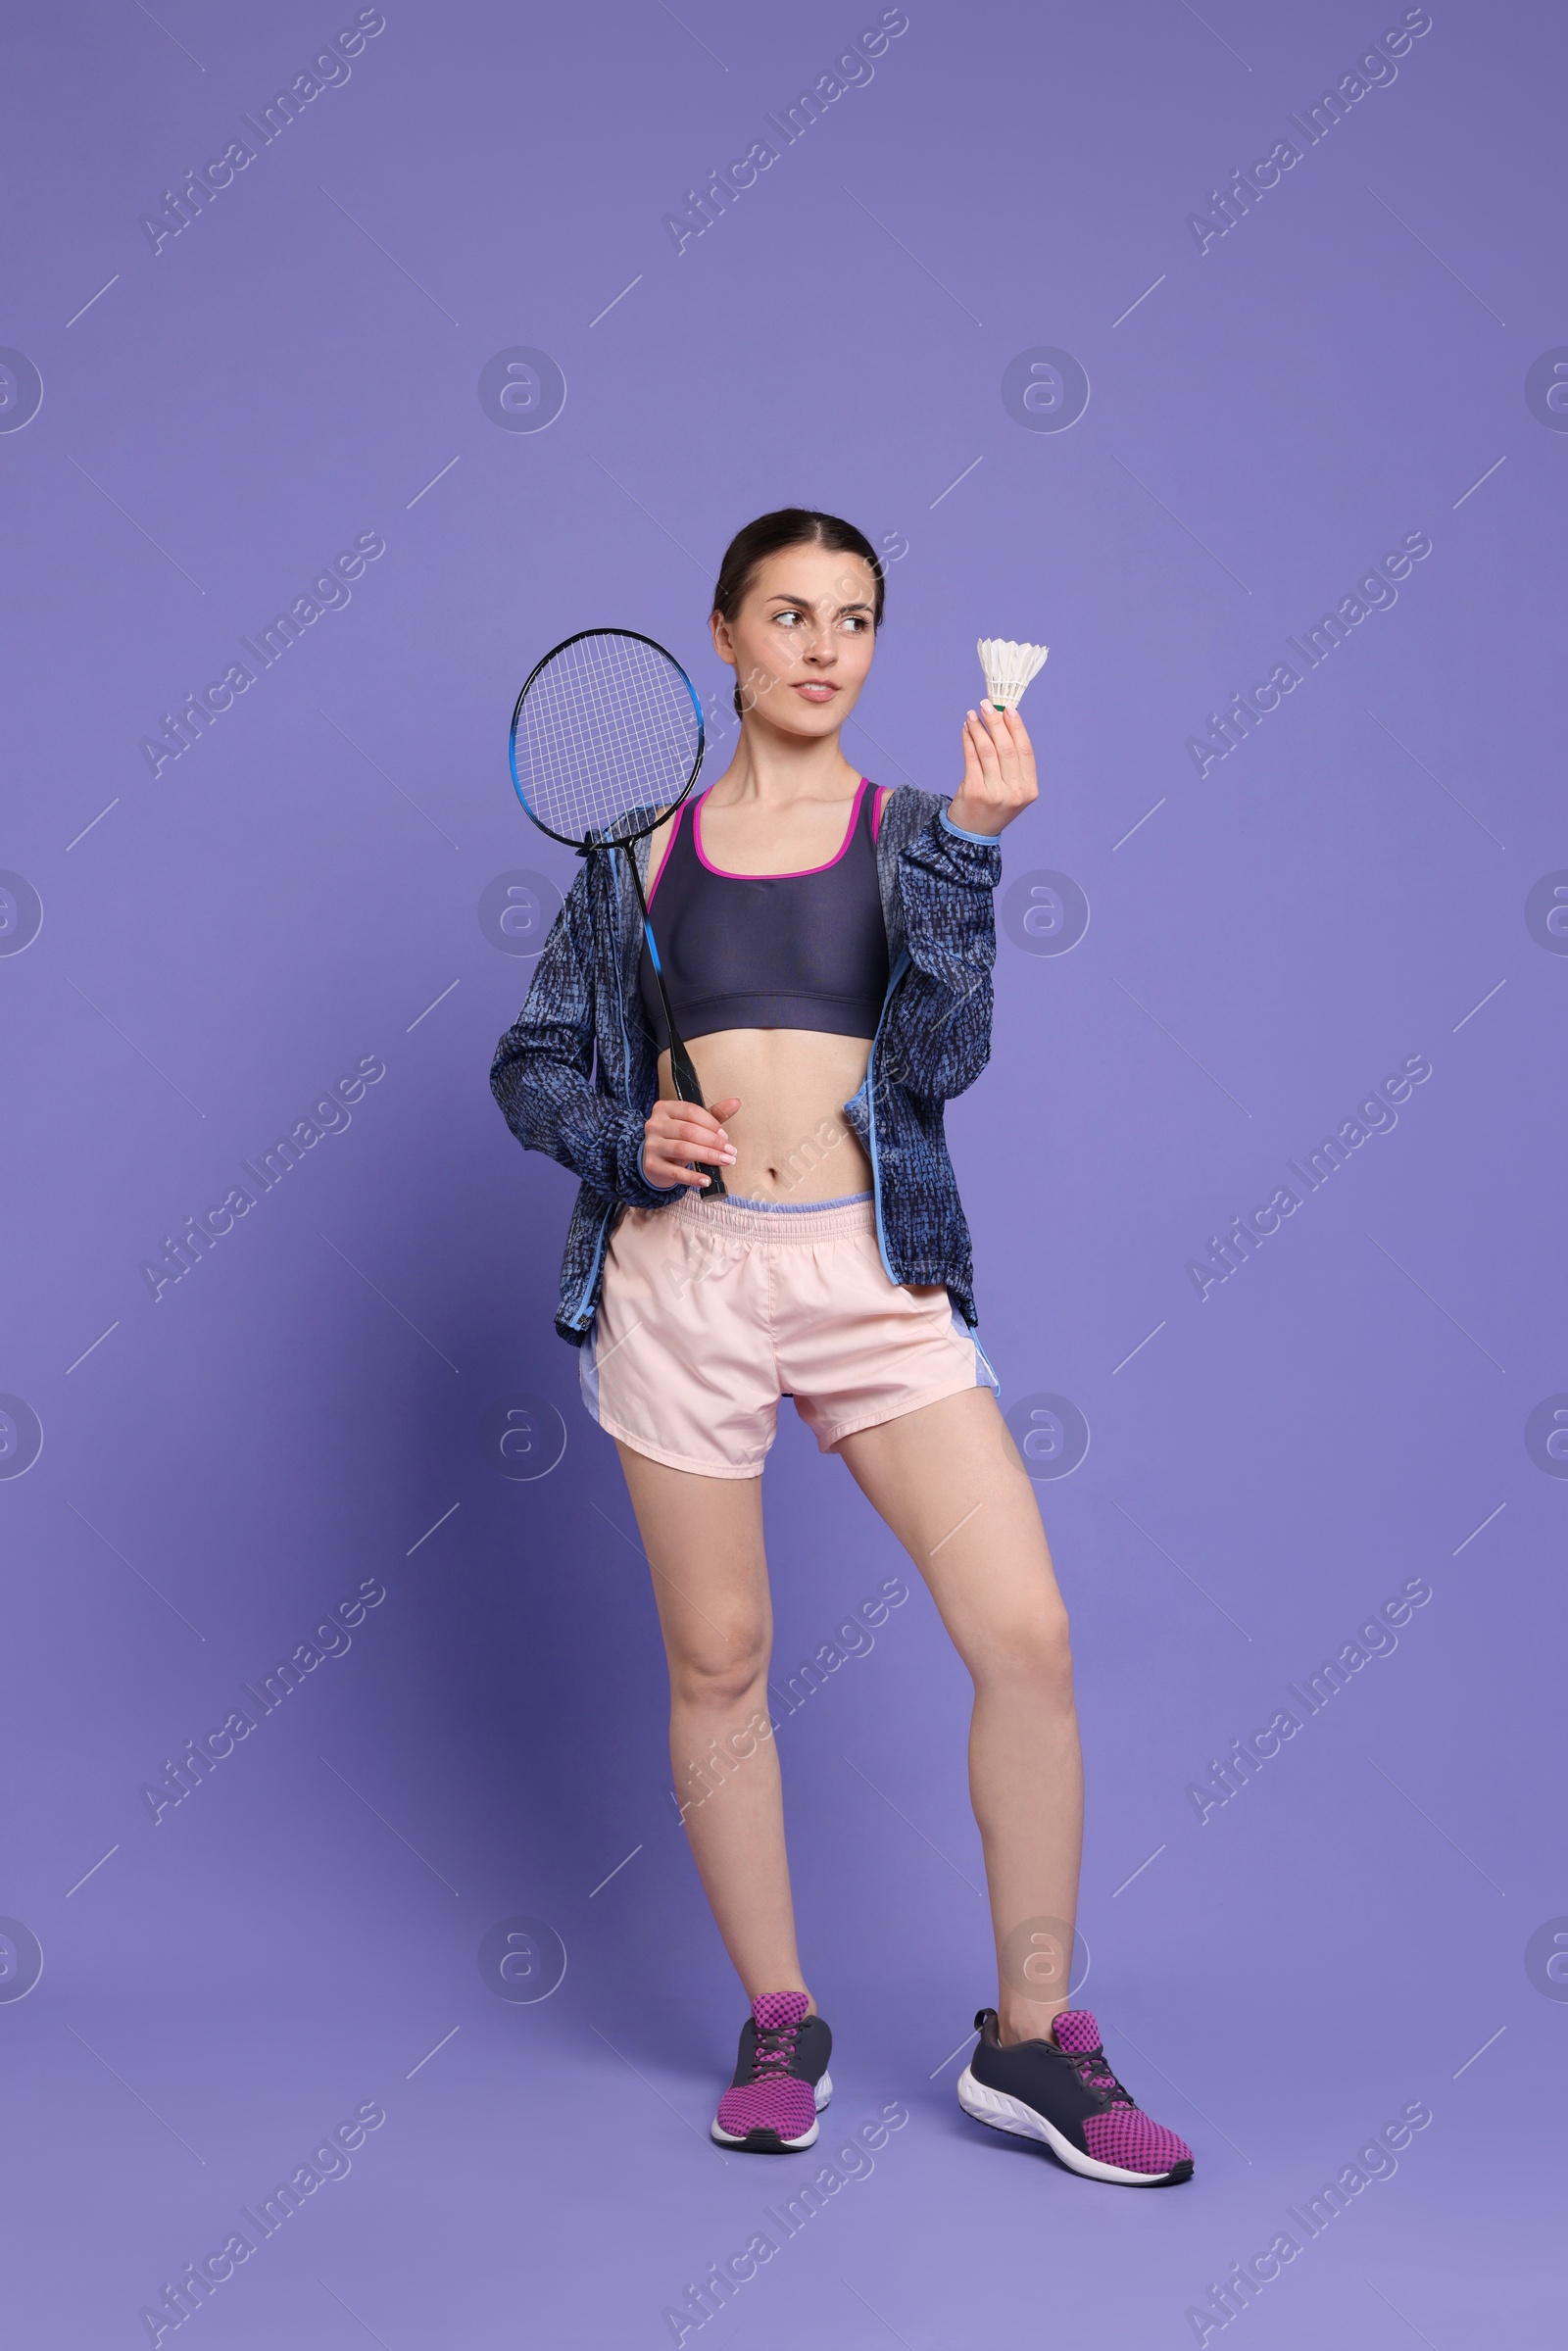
(783, 1222)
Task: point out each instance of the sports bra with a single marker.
(769, 951)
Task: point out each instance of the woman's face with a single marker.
(802, 640)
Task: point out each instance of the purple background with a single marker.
(300, 889)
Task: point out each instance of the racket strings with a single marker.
(606, 738)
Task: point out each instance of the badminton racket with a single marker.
(607, 741)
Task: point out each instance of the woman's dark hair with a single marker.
(769, 534)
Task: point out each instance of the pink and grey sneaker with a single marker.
(781, 2079)
(1063, 2093)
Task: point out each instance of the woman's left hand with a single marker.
(998, 771)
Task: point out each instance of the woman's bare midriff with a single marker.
(791, 1139)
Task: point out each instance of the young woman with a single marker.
(827, 945)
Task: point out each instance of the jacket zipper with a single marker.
(894, 977)
(578, 1319)
(876, 1166)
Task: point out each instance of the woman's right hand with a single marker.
(676, 1133)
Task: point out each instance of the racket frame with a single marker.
(683, 1076)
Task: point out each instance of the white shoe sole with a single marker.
(808, 2138)
(1001, 2113)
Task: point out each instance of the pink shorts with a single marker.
(714, 1310)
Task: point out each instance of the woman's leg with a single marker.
(704, 1539)
(948, 1482)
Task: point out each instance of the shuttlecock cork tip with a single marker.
(1008, 668)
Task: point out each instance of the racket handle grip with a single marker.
(686, 1085)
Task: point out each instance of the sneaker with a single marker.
(1063, 2093)
(781, 2079)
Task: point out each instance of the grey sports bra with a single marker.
(774, 950)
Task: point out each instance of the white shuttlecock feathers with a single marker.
(1009, 667)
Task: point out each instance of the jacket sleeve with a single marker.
(542, 1074)
(938, 1033)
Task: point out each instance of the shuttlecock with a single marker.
(1009, 667)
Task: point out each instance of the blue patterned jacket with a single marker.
(576, 1074)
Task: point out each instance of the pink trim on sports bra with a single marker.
(795, 872)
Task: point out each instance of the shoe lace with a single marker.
(1093, 2068)
(774, 2049)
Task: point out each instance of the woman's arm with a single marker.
(938, 1031)
(936, 1036)
(542, 1074)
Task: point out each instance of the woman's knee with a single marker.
(719, 1666)
(1033, 1645)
